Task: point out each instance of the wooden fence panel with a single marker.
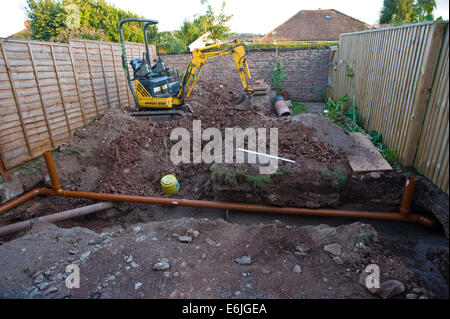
(432, 155)
(393, 71)
(14, 140)
(48, 90)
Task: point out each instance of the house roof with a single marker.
(316, 25)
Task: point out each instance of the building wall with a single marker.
(307, 70)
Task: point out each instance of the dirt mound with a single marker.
(121, 154)
(131, 155)
(126, 155)
(265, 261)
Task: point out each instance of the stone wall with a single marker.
(307, 70)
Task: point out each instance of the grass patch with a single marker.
(283, 171)
(298, 108)
(335, 175)
(259, 181)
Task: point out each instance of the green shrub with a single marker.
(349, 122)
(278, 75)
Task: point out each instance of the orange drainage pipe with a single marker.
(56, 190)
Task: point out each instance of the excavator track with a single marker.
(158, 116)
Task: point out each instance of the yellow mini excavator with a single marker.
(160, 93)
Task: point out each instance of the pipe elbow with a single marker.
(423, 220)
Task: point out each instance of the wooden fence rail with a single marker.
(48, 90)
(398, 78)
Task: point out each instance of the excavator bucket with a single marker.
(241, 101)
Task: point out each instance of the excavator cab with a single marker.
(154, 85)
(159, 66)
(154, 80)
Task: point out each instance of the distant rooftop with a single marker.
(316, 25)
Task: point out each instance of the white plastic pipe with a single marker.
(55, 217)
(267, 155)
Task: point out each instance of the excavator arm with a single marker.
(200, 56)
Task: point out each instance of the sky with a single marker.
(249, 16)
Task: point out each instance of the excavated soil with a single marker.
(282, 261)
(133, 163)
(126, 155)
(121, 154)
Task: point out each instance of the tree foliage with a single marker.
(212, 22)
(59, 20)
(423, 11)
(407, 11)
(47, 18)
(169, 42)
(404, 12)
(80, 33)
(95, 19)
(388, 10)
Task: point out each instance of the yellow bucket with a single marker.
(170, 185)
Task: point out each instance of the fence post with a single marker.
(104, 75)
(19, 111)
(422, 93)
(44, 108)
(60, 91)
(91, 77)
(3, 170)
(77, 84)
(115, 75)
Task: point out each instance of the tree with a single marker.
(215, 24)
(188, 32)
(59, 20)
(47, 19)
(404, 12)
(89, 19)
(388, 10)
(423, 11)
(169, 42)
(407, 11)
(80, 33)
(394, 11)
